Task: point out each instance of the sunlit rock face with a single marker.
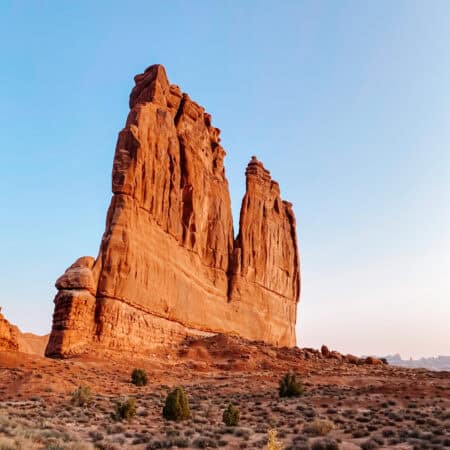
(9, 334)
(168, 264)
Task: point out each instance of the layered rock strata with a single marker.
(168, 264)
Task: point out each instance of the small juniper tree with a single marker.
(231, 416)
(177, 405)
(289, 386)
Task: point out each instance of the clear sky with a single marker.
(346, 102)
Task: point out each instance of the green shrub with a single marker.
(231, 416)
(177, 405)
(139, 377)
(126, 409)
(289, 386)
(82, 396)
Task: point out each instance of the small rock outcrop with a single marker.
(168, 265)
(9, 335)
(12, 339)
(73, 317)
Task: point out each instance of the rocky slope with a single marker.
(168, 264)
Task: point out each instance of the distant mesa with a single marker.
(441, 362)
(169, 265)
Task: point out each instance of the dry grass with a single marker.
(319, 427)
(342, 403)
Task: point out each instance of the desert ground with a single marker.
(345, 405)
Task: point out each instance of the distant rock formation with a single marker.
(33, 344)
(11, 339)
(168, 265)
(9, 335)
(441, 362)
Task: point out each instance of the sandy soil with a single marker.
(366, 406)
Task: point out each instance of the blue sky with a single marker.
(346, 102)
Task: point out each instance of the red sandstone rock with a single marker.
(9, 335)
(265, 270)
(335, 355)
(73, 318)
(11, 339)
(373, 361)
(168, 265)
(78, 276)
(325, 351)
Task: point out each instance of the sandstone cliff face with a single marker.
(168, 265)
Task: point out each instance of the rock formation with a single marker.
(9, 335)
(11, 339)
(168, 264)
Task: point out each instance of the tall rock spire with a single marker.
(168, 266)
(266, 269)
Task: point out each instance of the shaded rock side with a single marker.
(167, 258)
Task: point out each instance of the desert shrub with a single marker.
(370, 444)
(289, 386)
(96, 435)
(325, 444)
(177, 405)
(205, 442)
(11, 444)
(359, 433)
(56, 445)
(243, 433)
(319, 427)
(126, 409)
(139, 377)
(231, 416)
(273, 443)
(82, 396)
(388, 433)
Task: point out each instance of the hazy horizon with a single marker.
(346, 103)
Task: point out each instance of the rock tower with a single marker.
(169, 265)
